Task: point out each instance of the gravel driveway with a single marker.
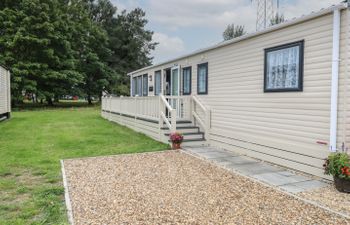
(176, 188)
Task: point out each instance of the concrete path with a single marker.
(262, 171)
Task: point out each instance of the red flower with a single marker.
(176, 137)
(345, 170)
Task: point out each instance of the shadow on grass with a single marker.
(29, 106)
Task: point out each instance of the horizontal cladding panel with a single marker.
(317, 162)
(307, 149)
(323, 70)
(312, 54)
(280, 111)
(236, 146)
(258, 84)
(279, 105)
(148, 128)
(292, 122)
(286, 134)
(271, 115)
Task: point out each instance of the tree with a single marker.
(36, 47)
(90, 43)
(66, 47)
(233, 31)
(277, 18)
(128, 43)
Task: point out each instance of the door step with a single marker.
(190, 135)
(182, 129)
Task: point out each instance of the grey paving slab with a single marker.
(200, 150)
(286, 173)
(240, 160)
(212, 155)
(292, 188)
(264, 172)
(311, 184)
(279, 179)
(253, 169)
(232, 161)
(224, 160)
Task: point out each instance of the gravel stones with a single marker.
(176, 188)
(329, 197)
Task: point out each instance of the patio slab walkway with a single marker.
(270, 174)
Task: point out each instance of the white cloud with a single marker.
(126, 5)
(168, 47)
(200, 13)
(176, 14)
(302, 7)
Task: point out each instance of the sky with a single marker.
(183, 26)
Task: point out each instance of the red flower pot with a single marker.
(342, 185)
(176, 146)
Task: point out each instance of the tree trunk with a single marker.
(49, 101)
(89, 100)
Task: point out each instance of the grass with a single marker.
(31, 145)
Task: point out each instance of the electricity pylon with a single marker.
(264, 13)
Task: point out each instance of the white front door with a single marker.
(175, 81)
(175, 88)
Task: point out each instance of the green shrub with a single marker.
(338, 165)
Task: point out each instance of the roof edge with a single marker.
(250, 35)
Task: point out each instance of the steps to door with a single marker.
(192, 134)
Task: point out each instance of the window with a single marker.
(145, 85)
(186, 80)
(157, 82)
(202, 78)
(139, 86)
(284, 68)
(134, 86)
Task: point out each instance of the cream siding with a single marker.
(284, 127)
(146, 127)
(343, 135)
(4, 91)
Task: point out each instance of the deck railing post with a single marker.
(207, 124)
(110, 108)
(120, 109)
(160, 124)
(173, 120)
(135, 109)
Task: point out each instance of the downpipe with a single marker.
(335, 81)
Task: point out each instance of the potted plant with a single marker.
(176, 139)
(338, 165)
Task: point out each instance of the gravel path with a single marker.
(329, 197)
(176, 188)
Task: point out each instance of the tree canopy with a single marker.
(277, 19)
(233, 31)
(71, 47)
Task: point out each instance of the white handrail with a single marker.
(165, 120)
(205, 124)
(196, 100)
(172, 112)
(196, 116)
(165, 102)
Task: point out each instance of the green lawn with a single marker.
(31, 145)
